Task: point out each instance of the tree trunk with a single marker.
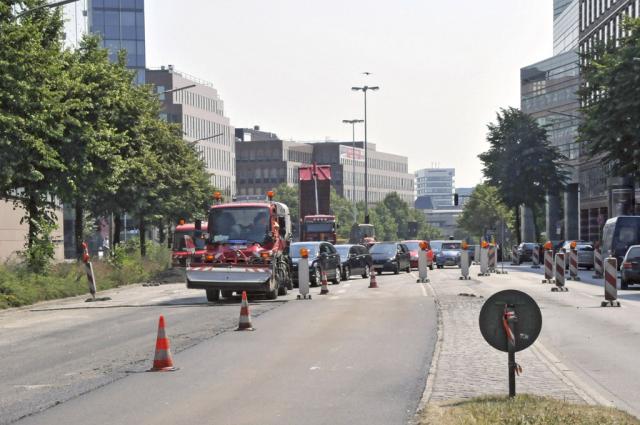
(32, 218)
(169, 234)
(518, 224)
(78, 227)
(534, 213)
(143, 237)
(117, 228)
(161, 233)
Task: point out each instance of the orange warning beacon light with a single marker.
(304, 253)
(485, 244)
(270, 195)
(573, 245)
(423, 245)
(548, 246)
(465, 245)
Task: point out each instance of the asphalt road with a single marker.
(596, 348)
(358, 355)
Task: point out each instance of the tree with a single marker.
(31, 119)
(343, 210)
(521, 163)
(288, 195)
(483, 211)
(610, 96)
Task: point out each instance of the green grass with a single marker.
(19, 287)
(522, 410)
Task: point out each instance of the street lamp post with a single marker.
(353, 162)
(190, 86)
(364, 89)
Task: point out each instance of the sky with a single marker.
(444, 67)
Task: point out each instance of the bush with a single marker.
(19, 286)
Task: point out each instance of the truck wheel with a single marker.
(282, 291)
(213, 295)
(397, 269)
(272, 295)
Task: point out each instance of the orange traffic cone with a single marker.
(373, 283)
(245, 317)
(324, 289)
(163, 362)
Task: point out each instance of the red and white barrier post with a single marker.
(464, 262)
(573, 264)
(535, 258)
(422, 263)
(560, 274)
(611, 283)
(548, 266)
(598, 264)
(514, 256)
(303, 275)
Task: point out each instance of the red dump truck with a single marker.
(316, 221)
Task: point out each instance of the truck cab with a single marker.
(319, 228)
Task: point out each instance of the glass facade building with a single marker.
(120, 23)
(566, 29)
(437, 183)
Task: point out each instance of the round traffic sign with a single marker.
(527, 326)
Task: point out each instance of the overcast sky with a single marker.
(443, 67)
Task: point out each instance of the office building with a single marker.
(603, 196)
(120, 24)
(437, 183)
(264, 161)
(200, 112)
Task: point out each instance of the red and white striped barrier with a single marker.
(560, 272)
(464, 265)
(514, 256)
(611, 283)
(573, 264)
(598, 265)
(535, 258)
(492, 259)
(548, 266)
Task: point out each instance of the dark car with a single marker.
(319, 252)
(449, 254)
(355, 260)
(619, 234)
(524, 252)
(631, 267)
(390, 257)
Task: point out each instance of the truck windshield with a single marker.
(250, 224)
(319, 227)
(178, 240)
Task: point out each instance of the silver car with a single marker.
(585, 253)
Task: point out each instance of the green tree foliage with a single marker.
(31, 118)
(344, 210)
(484, 210)
(521, 163)
(611, 97)
(288, 195)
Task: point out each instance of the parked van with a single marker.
(619, 234)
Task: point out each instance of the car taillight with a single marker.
(627, 265)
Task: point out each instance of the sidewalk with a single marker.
(466, 365)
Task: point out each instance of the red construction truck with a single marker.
(180, 252)
(247, 250)
(316, 221)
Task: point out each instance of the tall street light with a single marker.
(44, 6)
(365, 89)
(353, 162)
(161, 93)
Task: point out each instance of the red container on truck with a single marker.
(316, 221)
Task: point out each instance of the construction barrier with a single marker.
(611, 283)
(303, 275)
(373, 282)
(324, 288)
(535, 257)
(422, 263)
(548, 266)
(162, 361)
(514, 256)
(493, 259)
(476, 255)
(573, 264)
(598, 266)
(244, 324)
(560, 274)
(484, 261)
(464, 265)
(91, 277)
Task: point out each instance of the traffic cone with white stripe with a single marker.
(373, 283)
(162, 362)
(244, 324)
(324, 289)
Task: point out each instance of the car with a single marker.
(390, 257)
(318, 251)
(618, 235)
(524, 251)
(414, 248)
(449, 254)
(355, 260)
(630, 270)
(585, 253)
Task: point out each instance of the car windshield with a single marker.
(296, 247)
(249, 224)
(436, 245)
(413, 246)
(179, 243)
(585, 248)
(319, 227)
(384, 249)
(451, 246)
